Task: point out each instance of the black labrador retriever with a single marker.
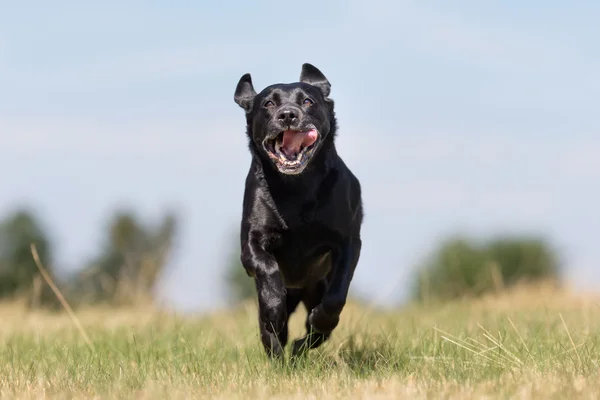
(302, 209)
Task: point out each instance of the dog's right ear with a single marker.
(245, 93)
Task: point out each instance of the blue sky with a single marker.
(465, 116)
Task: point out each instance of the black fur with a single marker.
(300, 230)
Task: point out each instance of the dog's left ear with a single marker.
(245, 93)
(311, 75)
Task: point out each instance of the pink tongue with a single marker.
(294, 140)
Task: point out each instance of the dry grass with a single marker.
(530, 343)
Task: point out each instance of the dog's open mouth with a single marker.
(291, 150)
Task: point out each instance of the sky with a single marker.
(466, 116)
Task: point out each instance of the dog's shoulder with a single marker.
(348, 182)
(349, 192)
(259, 208)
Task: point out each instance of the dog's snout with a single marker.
(288, 115)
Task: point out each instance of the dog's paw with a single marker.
(271, 343)
(322, 322)
(299, 347)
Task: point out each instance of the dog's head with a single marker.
(288, 123)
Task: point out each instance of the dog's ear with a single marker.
(245, 93)
(311, 75)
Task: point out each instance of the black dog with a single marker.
(302, 211)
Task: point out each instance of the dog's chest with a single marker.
(304, 255)
(304, 270)
(298, 216)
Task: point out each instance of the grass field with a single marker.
(532, 343)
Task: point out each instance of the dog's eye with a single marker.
(269, 104)
(307, 101)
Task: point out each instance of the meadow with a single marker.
(530, 342)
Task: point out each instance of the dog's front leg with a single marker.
(271, 295)
(325, 317)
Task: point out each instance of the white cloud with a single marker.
(445, 30)
(462, 196)
(3, 53)
(430, 148)
(132, 68)
(426, 144)
(148, 138)
(581, 160)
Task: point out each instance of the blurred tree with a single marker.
(18, 272)
(460, 267)
(133, 259)
(453, 270)
(524, 259)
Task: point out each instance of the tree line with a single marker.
(133, 255)
(130, 260)
(459, 267)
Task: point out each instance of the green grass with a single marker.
(532, 343)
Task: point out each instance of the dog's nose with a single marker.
(288, 115)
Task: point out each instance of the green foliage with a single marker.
(460, 267)
(18, 271)
(134, 257)
(524, 259)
